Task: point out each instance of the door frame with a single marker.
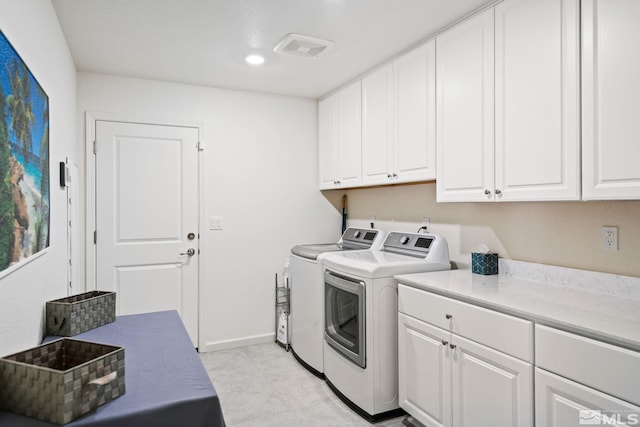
(90, 204)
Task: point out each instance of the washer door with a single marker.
(345, 316)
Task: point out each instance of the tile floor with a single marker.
(263, 385)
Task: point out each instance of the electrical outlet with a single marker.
(426, 222)
(610, 238)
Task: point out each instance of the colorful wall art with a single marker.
(24, 161)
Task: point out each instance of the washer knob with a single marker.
(356, 234)
(404, 240)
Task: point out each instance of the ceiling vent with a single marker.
(305, 46)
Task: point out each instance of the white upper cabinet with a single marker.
(464, 93)
(610, 99)
(340, 139)
(327, 140)
(398, 120)
(377, 127)
(537, 104)
(414, 86)
(533, 91)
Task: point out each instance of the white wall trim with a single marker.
(90, 219)
(239, 342)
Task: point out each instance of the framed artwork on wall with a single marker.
(24, 162)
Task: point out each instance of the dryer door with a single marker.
(345, 316)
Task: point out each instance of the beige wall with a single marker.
(558, 233)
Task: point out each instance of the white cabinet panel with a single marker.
(508, 334)
(424, 371)
(610, 99)
(464, 110)
(537, 100)
(564, 403)
(415, 130)
(606, 367)
(377, 126)
(327, 141)
(340, 139)
(398, 124)
(490, 388)
(350, 136)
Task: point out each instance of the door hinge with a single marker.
(95, 237)
(95, 147)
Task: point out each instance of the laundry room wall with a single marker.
(566, 234)
(32, 27)
(260, 175)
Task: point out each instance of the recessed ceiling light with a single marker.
(254, 59)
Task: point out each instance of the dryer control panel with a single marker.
(414, 244)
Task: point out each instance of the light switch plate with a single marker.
(215, 223)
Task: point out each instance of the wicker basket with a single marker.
(73, 315)
(61, 381)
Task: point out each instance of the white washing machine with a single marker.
(361, 317)
(306, 317)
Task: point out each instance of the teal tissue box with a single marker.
(484, 263)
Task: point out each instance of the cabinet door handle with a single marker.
(498, 192)
(448, 316)
(388, 175)
(445, 342)
(452, 346)
(487, 192)
(395, 175)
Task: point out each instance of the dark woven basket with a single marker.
(73, 315)
(61, 381)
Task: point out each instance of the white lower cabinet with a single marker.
(448, 380)
(582, 381)
(487, 377)
(424, 371)
(564, 403)
(489, 388)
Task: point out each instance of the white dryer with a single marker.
(306, 317)
(361, 317)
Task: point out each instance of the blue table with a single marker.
(166, 383)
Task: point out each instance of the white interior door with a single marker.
(147, 218)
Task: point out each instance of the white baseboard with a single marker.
(239, 342)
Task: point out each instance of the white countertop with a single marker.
(592, 313)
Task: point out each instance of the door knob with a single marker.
(190, 252)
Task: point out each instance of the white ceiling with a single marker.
(204, 42)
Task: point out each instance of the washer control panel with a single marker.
(361, 237)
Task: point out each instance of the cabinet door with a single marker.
(327, 140)
(415, 114)
(424, 371)
(610, 99)
(564, 403)
(489, 388)
(537, 100)
(377, 126)
(350, 136)
(464, 110)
